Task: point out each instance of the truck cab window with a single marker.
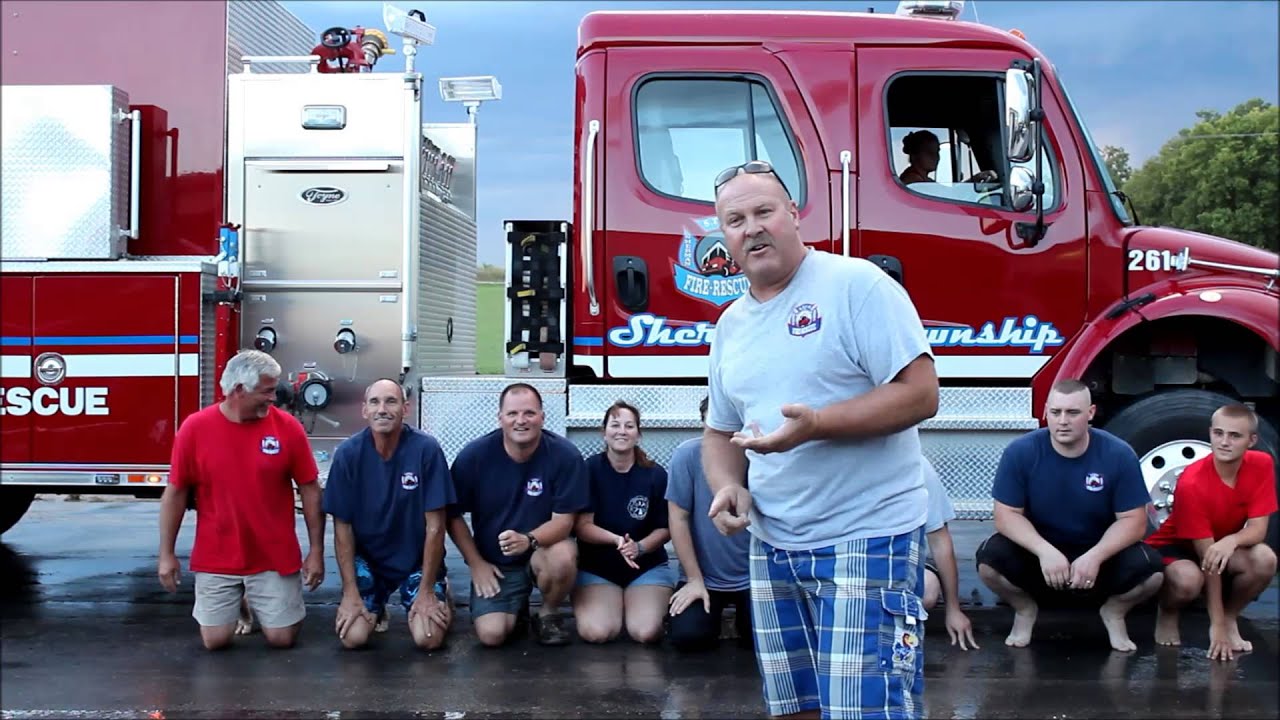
(689, 129)
(945, 139)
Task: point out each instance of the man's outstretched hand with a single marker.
(800, 426)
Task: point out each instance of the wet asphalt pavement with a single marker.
(87, 632)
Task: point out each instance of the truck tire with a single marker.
(14, 502)
(1170, 430)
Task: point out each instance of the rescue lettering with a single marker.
(54, 401)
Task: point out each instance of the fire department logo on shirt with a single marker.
(533, 488)
(1093, 482)
(270, 445)
(408, 481)
(804, 320)
(638, 507)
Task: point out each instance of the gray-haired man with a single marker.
(242, 457)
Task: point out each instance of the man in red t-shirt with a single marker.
(1219, 524)
(242, 457)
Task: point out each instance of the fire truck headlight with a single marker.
(266, 340)
(345, 342)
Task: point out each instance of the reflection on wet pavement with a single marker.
(87, 632)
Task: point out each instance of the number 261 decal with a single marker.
(1158, 260)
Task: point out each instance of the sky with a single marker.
(1138, 72)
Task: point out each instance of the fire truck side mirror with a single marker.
(1018, 87)
(345, 341)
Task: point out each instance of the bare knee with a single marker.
(217, 637)
(645, 631)
(932, 590)
(596, 630)
(1183, 581)
(358, 633)
(1262, 561)
(989, 574)
(493, 629)
(281, 638)
(428, 634)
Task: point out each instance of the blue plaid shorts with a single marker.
(841, 628)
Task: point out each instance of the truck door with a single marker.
(674, 120)
(110, 395)
(994, 305)
(15, 366)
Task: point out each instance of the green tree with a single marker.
(1221, 176)
(490, 273)
(1117, 160)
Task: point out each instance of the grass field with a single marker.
(489, 324)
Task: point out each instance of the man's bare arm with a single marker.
(944, 554)
(1129, 527)
(555, 529)
(1253, 532)
(907, 400)
(461, 534)
(1012, 523)
(682, 538)
(313, 513)
(723, 463)
(344, 550)
(432, 547)
(1212, 586)
(173, 505)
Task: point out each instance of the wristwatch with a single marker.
(533, 541)
(639, 548)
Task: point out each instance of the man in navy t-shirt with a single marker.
(387, 491)
(524, 488)
(1070, 507)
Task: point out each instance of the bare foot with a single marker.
(1237, 643)
(1117, 630)
(244, 623)
(384, 622)
(1023, 622)
(1167, 632)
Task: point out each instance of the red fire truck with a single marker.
(348, 237)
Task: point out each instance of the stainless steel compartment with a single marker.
(323, 220)
(66, 172)
(306, 323)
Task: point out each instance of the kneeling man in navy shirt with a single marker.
(524, 487)
(387, 491)
(1071, 512)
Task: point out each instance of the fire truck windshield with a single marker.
(1117, 205)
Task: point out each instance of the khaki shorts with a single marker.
(276, 600)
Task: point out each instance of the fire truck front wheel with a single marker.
(1169, 431)
(14, 502)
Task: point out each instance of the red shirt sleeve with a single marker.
(182, 474)
(1194, 522)
(304, 467)
(1262, 501)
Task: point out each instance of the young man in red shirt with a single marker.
(1219, 525)
(242, 457)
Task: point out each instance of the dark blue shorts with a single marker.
(375, 590)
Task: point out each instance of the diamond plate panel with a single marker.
(459, 410)
(65, 176)
(966, 462)
(654, 401)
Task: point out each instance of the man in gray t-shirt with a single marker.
(714, 566)
(819, 375)
(941, 576)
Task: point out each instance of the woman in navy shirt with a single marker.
(623, 570)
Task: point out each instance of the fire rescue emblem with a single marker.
(804, 320)
(1093, 482)
(270, 445)
(704, 270)
(533, 488)
(408, 481)
(638, 507)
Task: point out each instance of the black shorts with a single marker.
(1121, 573)
(1177, 551)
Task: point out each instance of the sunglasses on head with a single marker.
(755, 167)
